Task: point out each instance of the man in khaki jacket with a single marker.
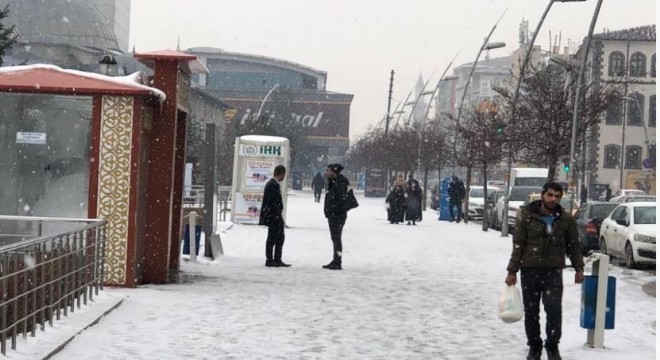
(544, 235)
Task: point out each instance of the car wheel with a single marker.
(603, 246)
(630, 257)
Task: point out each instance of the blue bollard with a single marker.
(588, 303)
(186, 239)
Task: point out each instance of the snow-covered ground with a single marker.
(406, 292)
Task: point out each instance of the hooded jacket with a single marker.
(535, 247)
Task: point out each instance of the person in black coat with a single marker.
(271, 216)
(334, 208)
(396, 204)
(413, 201)
(318, 184)
(456, 195)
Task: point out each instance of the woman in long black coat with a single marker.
(396, 205)
(414, 202)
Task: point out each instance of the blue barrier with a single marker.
(186, 239)
(588, 303)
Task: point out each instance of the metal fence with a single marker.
(48, 267)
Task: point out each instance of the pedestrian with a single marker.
(608, 193)
(456, 195)
(396, 203)
(335, 210)
(271, 216)
(543, 236)
(318, 184)
(413, 201)
(583, 195)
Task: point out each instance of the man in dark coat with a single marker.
(456, 195)
(334, 208)
(396, 204)
(318, 184)
(545, 234)
(271, 216)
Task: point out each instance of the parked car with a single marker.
(624, 192)
(517, 197)
(491, 202)
(476, 201)
(589, 217)
(629, 233)
(635, 198)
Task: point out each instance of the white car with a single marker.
(625, 192)
(517, 197)
(629, 233)
(476, 201)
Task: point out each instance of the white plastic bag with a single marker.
(509, 305)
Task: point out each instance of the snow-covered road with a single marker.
(406, 292)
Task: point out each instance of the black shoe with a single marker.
(271, 263)
(332, 266)
(414, 223)
(553, 353)
(408, 223)
(534, 353)
(279, 263)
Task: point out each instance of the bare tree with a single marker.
(542, 130)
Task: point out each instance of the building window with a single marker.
(635, 106)
(633, 157)
(638, 64)
(611, 156)
(653, 65)
(652, 111)
(613, 114)
(617, 60)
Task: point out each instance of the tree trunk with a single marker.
(426, 181)
(467, 192)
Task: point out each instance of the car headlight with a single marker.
(644, 238)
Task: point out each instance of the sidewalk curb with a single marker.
(94, 322)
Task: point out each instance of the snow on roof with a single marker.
(264, 139)
(130, 81)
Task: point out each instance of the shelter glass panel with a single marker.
(44, 155)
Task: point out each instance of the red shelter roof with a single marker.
(43, 78)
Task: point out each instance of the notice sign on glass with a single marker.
(31, 138)
(258, 172)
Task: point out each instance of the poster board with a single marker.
(255, 159)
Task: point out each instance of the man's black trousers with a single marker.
(547, 285)
(275, 241)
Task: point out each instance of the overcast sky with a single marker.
(358, 42)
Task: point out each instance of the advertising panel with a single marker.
(254, 163)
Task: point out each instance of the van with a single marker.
(528, 177)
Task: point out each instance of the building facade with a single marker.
(622, 149)
(118, 15)
(254, 85)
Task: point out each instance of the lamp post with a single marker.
(266, 98)
(528, 53)
(107, 64)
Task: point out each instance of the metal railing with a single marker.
(48, 267)
(193, 195)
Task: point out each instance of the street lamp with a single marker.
(485, 46)
(266, 98)
(107, 64)
(528, 53)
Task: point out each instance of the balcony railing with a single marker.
(48, 267)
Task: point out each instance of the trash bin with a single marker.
(186, 239)
(297, 183)
(588, 303)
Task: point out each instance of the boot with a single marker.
(553, 353)
(332, 266)
(534, 353)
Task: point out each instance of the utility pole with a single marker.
(387, 126)
(389, 102)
